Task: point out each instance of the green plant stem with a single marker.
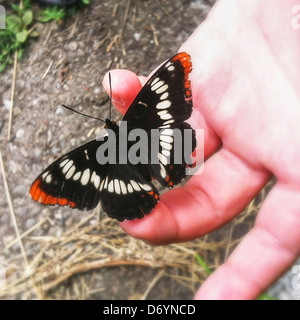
(203, 264)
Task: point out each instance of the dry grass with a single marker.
(89, 245)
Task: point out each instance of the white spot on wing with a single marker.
(157, 85)
(102, 184)
(162, 89)
(86, 154)
(165, 152)
(135, 185)
(67, 166)
(45, 174)
(110, 187)
(143, 103)
(164, 96)
(117, 186)
(146, 187)
(162, 159)
(166, 145)
(129, 187)
(167, 132)
(163, 172)
(62, 164)
(154, 81)
(70, 172)
(171, 68)
(163, 105)
(93, 176)
(96, 181)
(169, 121)
(168, 139)
(160, 113)
(123, 187)
(77, 176)
(85, 177)
(49, 178)
(166, 116)
(106, 182)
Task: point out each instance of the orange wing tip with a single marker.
(184, 59)
(182, 56)
(38, 195)
(35, 191)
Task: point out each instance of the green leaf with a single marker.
(34, 34)
(14, 23)
(16, 7)
(22, 36)
(53, 13)
(20, 54)
(85, 1)
(27, 17)
(265, 296)
(27, 4)
(2, 67)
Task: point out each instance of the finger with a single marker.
(264, 254)
(206, 202)
(125, 86)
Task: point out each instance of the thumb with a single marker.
(125, 85)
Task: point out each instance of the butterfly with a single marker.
(126, 190)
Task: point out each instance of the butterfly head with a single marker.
(111, 125)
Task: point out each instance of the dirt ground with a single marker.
(66, 64)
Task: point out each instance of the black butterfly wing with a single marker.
(72, 180)
(128, 192)
(77, 180)
(164, 103)
(176, 145)
(165, 98)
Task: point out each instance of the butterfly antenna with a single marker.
(110, 93)
(83, 114)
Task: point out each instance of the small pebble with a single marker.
(59, 110)
(73, 46)
(20, 134)
(29, 223)
(19, 190)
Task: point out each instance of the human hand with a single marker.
(246, 97)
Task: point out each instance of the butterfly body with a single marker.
(111, 125)
(124, 188)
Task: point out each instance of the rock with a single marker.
(29, 223)
(137, 36)
(21, 211)
(73, 46)
(20, 133)
(19, 190)
(59, 110)
(37, 152)
(6, 103)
